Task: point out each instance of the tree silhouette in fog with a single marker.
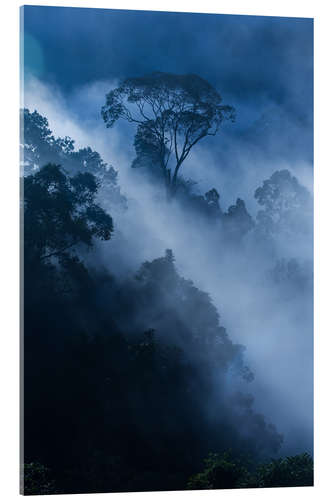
(39, 147)
(286, 204)
(172, 113)
(60, 213)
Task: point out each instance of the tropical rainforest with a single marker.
(165, 329)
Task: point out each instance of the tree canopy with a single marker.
(228, 471)
(286, 204)
(40, 147)
(172, 113)
(60, 213)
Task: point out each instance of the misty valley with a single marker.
(165, 336)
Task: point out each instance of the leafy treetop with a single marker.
(286, 204)
(227, 471)
(39, 147)
(60, 213)
(172, 113)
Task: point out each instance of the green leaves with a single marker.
(221, 472)
(288, 471)
(36, 480)
(224, 471)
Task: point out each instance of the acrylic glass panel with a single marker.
(167, 244)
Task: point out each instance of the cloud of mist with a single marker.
(274, 323)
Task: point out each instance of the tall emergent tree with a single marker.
(172, 113)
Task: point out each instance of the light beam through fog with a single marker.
(275, 327)
(168, 313)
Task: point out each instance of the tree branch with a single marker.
(52, 254)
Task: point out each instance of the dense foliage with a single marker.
(225, 471)
(39, 147)
(127, 379)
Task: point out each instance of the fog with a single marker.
(272, 319)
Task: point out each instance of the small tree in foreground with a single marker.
(288, 471)
(172, 113)
(224, 471)
(36, 480)
(221, 472)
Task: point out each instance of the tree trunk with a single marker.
(173, 182)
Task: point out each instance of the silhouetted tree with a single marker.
(38, 144)
(293, 274)
(172, 113)
(287, 205)
(237, 221)
(60, 213)
(224, 471)
(221, 472)
(289, 471)
(39, 147)
(212, 198)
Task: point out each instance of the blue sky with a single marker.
(263, 66)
